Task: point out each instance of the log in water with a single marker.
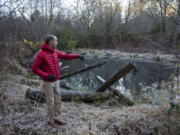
(82, 70)
(122, 72)
(117, 93)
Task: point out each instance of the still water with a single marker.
(149, 75)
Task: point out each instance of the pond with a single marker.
(148, 77)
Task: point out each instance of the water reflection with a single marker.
(150, 74)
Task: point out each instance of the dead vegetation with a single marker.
(84, 119)
(9, 60)
(19, 116)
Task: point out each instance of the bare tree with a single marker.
(128, 12)
(177, 30)
(85, 12)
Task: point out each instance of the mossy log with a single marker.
(88, 97)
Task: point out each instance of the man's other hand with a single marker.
(50, 78)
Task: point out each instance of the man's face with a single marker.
(53, 43)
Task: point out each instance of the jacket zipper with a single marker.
(54, 63)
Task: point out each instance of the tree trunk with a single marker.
(88, 97)
(117, 93)
(122, 72)
(177, 31)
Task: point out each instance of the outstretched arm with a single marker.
(36, 68)
(65, 56)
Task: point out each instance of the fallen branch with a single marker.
(82, 70)
(39, 95)
(122, 72)
(117, 93)
(65, 68)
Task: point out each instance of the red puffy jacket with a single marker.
(47, 61)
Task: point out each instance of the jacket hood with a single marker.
(46, 47)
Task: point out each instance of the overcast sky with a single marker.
(69, 4)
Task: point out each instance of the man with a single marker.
(46, 65)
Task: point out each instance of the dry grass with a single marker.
(83, 119)
(18, 116)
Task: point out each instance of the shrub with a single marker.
(66, 40)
